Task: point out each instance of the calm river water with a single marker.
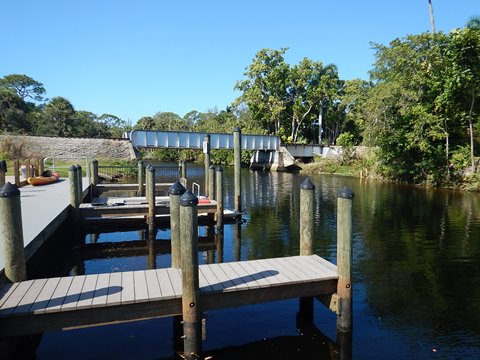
(416, 278)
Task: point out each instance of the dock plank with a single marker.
(101, 291)
(6, 291)
(41, 302)
(30, 296)
(128, 288)
(15, 297)
(74, 293)
(140, 283)
(58, 296)
(214, 283)
(176, 280)
(88, 291)
(165, 284)
(153, 287)
(114, 296)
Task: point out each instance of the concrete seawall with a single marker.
(42, 146)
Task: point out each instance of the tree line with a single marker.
(420, 109)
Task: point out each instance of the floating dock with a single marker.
(40, 305)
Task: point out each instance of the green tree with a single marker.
(24, 86)
(311, 87)
(13, 112)
(145, 123)
(265, 88)
(57, 118)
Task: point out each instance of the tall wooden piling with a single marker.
(3, 171)
(175, 192)
(73, 178)
(183, 169)
(150, 180)
(344, 258)
(141, 178)
(16, 172)
(211, 183)
(219, 197)
(41, 165)
(12, 233)
(237, 162)
(79, 184)
(28, 169)
(206, 154)
(192, 320)
(95, 172)
(307, 206)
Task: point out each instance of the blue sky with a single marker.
(136, 58)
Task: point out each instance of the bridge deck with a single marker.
(87, 300)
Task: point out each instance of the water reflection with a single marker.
(416, 273)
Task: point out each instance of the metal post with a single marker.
(237, 157)
(211, 183)
(150, 177)
(206, 152)
(344, 258)
(175, 192)
(307, 206)
(192, 320)
(41, 166)
(219, 196)
(141, 179)
(12, 233)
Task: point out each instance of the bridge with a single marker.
(269, 152)
(195, 140)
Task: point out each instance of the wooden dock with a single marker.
(44, 208)
(35, 306)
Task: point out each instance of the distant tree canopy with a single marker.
(55, 117)
(420, 109)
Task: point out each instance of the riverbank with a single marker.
(365, 169)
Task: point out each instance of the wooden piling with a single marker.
(95, 172)
(211, 183)
(206, 153)
(28, 169)
(16, 172)
(219, 197)
(150, 193)
(141, 178)
(183, 169)
(79, 184)
(41, 165)
(344, 258)
(73, 178)
(307, 206)
(192, 320)
(3, 171)
(237, 162)
(175, 192)
(12, 233)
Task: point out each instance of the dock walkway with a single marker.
(40, 305)
(44, 208)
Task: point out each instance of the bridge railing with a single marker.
(194, 140)
(129, 174)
